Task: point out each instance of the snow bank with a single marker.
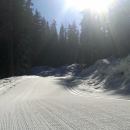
(107, 75)
(61, 71)
(69, 69)
(121, 66)
(110, 67)
(7, 83)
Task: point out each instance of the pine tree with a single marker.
(53, 42)
(36, 38)
(28, 32)
(6, 31)
(62, 38)
(86, 36)
(62, 47)
(73, 42)
(119, 27)
(91, 36)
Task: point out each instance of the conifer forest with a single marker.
(27, 39)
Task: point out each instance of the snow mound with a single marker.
(110, 67)
(111, 76)
(69, 69)
(43, 70)
(8, 83)
(61, 71)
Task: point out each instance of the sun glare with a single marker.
(95, 5)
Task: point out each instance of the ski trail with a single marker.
(44, 104)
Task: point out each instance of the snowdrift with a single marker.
(110, 76)
(107, 75)
(61, 71)
(8, 83)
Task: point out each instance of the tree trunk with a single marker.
(10, 42)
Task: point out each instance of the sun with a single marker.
(94, 5)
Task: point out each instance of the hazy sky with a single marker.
(58, 10)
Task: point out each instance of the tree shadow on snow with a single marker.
(116, 85)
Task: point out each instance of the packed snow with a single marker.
(107, 76)
(65, 70)
(8, 83)
(45, 101)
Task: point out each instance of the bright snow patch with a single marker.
(7, 83)
(107, 76)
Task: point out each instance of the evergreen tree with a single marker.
(36, 36)
(62, 48)
(119, 27)
(53, 42)
(92, 37)
(28, 32)
(6, 31)
(73, 42)
(46, 52)
(62, 38)
(86, 37)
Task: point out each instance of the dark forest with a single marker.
(27, 39)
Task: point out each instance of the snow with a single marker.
(43, 103)
(107, 76)
(7, 83)
(60, 71)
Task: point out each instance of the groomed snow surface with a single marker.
(109, 77)
(68, 98)
(8, 83)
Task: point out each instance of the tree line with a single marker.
(27, 39)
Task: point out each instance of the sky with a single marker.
(57, 10)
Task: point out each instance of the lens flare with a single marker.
(95, 5)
